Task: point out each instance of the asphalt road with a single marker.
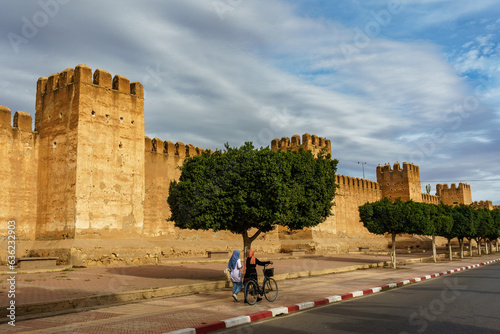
(463, 302)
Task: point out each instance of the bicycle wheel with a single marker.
(251, 292)
(270, 289)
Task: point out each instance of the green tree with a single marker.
(383, 217)
(464, 224)
(495, 232)
(443, 221)
(484, 226)
(245, 190)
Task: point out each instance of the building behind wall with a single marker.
(88, 186)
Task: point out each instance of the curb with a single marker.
(232, 322)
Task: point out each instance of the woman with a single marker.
(234, 266)
(251, 263)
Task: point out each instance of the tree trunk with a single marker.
(486, 250)
(470, 246)
(449, 249)
(497, 244)
(434, 252)
(461, 242)
(478, 243)
(247, 242)
(393, 253)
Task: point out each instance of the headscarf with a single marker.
(234, 258)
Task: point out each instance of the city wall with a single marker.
(18, 168)
(88, 186)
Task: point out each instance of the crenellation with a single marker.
(137, 89)
(66, 77)
(199, 150)
(148, 144)
(180, 150)
(190, 150)
(5, 117)
(430, 199)
(315, 140)
(83, 74)
(312, 143)
(483, 205)
(170, 148)
(356, 182)
(306, 139)
(103, 79)
(285, 142)
(121, 84)
(41, 86)
(158, 145)
(53, 82)
(23, 121)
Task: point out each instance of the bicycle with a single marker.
(269, 287)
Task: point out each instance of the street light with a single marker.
(362, 164)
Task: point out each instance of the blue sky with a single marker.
(385, 81)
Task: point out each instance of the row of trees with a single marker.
(409, 217)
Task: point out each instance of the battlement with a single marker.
(407, 167)
(453, 186)
(166, 147)
(483, 205)
(343, 180)
(83, 74)
(22, 120)
(431, 199)
(309, 142)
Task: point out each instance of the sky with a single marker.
(385, 80)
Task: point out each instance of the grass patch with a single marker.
(68, 269)
(29, 280)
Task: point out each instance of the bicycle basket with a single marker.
(269, 272)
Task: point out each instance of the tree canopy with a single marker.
(244, 188)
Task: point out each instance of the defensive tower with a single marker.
(454, 195)
(91, 155)
(396, 182)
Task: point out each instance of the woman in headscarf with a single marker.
(234, 266)
(251, 263)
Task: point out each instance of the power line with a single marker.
(455, 181)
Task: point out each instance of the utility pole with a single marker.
(362, 164)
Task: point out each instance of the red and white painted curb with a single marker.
(236, 321)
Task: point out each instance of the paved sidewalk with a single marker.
(200, 307)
